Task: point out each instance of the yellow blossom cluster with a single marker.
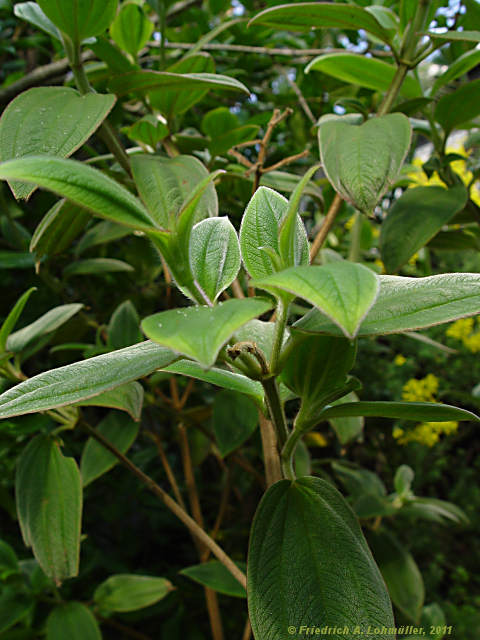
(422, 390)
(420, 178)
(399, 360)
(464, 330)
(427, 433)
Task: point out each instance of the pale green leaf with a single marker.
(58, 228)
(49, 322)
(200, 332)
(366, 72)
(128, 592)
(80, 20)
(85, 379)
(214, 255)
(96, 266)
(83, 185)
(52, 121)
(219, 377)
(342, 291)
(363, 161)
(315, 15)
(131, 29)
(409, 304)
(49, 505)
(31, 12)
(260, 230)
(164, 184)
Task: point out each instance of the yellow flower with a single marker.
(460, 329)
(420, 178)
(427, 433)
(399, 360)
(463, 330)
(422, 390)
(315, 439)
(349, 223)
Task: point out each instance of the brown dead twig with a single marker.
(258, 168)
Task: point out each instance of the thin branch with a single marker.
(266, 51)
(247, 633)
(300, 96)
(39, 76)
(172, 505)
(168, 469)
(285, 161)
(326, 226)
(273, 470)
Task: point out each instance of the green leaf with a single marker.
(31, 12)
(49, 504)
(131, 29)
(127, 397)
(404, 476)
(128, 592)
(124, 326)
(115, 59)
(148, 81)
(96, 266)
(49, 322)
(11, 320)
(215, 576)
(72, 620)
(260, 332)
(433, 616)
(435, 510)
(58, 228)
(164, 184)
(317, 367)
(313, 15)
(288, 232)
(234, 419)
(16, 260)
(219, 377)
(409, 304)
(358, 70)
(421, 411)
(80, 20)
(224, 130)
(456, 69)
(101, 233)
(260, 229)
(347, 428)
(150, 130)
(83, 185)
(60, 387)
(454, 36)
(416, 217)
(8, 560)
(458, 107)
(343, 291)
(400, 572)
(14, 606)
(327, 573)
(176, 100)
(363, 161)
(118, 429)
(200, 332)
(214, 255)
(53, 121)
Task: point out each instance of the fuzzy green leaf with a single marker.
(53, 121)
(421, 411)
(327, 573)
(49, 505)
(200, 332)
(78, 19)
(72, 620)
(342, 291)
(215, 576)
(82, 380)
(128, 592)
(409, 304)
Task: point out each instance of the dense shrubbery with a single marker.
(196, 139)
